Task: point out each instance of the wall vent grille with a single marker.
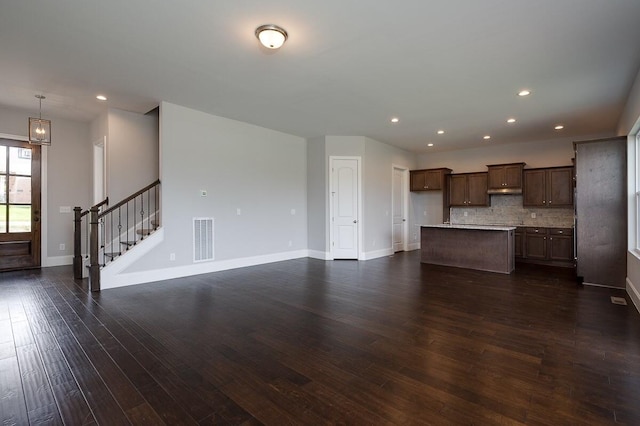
(202, 239)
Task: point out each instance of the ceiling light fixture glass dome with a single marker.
(271, 36)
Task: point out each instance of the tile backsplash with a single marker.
(508, 210)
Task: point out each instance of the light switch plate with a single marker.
(65, 209)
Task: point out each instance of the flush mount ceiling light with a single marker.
(395, 120)
(101, 97)
(524, 92)
(429, 144)
(271, 36)
(487, 137)
(511, 120)
(440, 132)
(39, 129)
(559, 127)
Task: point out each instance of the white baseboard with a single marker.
(57, 261)
(376, 254)
(322, 255)
(120, 280)
(634, 294)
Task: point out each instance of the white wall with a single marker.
(630, 125)
(379, 160)
(132, 152)
(68, 178)
(317, 181)
(259, 171)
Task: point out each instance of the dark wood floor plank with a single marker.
(13, 408)
(387, 341)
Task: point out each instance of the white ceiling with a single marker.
(347, 68)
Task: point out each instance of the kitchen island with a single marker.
(486, 248)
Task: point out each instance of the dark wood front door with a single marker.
(19, 205)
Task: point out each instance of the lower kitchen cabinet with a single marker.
(547, 246)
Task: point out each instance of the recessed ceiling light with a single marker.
(511, 120)
(101, 97)
(524, 92)
(487, 137)
(559, 127)
(440, 132)
(429, 144)
(395, 119)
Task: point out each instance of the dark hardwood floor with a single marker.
(387, 341)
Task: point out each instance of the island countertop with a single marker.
(478, 227)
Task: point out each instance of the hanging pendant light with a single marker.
(39, 129)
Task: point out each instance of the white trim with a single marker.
(360, 203)
(44, 211)
(198, 268)
(603, 286)
(322, 255)
(377, 253)
(414, 246)
(14, 137)
(405, 197)
(634, 294)
(57, 261)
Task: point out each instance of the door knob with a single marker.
(355, 221)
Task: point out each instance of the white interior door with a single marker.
(399, 209)
(344, 218)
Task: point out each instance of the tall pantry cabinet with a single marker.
(601, 211)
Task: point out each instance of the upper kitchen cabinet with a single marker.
(468, 190)
(550, 187)
(505, 178)
(428, 179)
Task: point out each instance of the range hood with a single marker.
(505, 191)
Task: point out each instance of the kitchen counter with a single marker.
(481, 247)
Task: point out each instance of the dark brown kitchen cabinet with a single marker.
(518, 242)
(428, 179)
(468, 190)
(550, 187)
(547, 246)
(535, 246)
(505, 178)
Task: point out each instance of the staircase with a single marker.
(110, 233)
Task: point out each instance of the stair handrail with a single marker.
(129, 198)
(78, 214)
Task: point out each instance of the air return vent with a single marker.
(202, 239)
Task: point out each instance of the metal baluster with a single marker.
(142, 216)
(119, 231)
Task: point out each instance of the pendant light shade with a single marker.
(271, 36)
(39, 129)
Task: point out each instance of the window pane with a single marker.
(3, 219)
(3, 188)
(3, 159)
(19, 218)
(19, 189)
(19, 161)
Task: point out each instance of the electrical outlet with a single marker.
(425, 213)
(65, 209)
(238, 212)
(290, 243)
(533, 215)
(172, 256)
(466, 214)
(293, 212)
(203, 192)
(62, 247)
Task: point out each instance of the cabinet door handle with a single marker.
(559, 232)
(549, 201)
(544, 202)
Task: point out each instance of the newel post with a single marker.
(94, 268)
(77, 243)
